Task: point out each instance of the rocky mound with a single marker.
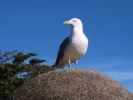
(76, 85)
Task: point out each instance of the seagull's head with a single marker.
(73, 22)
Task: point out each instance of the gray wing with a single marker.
(62, 48)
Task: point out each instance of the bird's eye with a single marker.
(74, 21)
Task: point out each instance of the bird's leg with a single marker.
(76, 62)
(69, 64)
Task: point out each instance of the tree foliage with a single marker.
(17, 67)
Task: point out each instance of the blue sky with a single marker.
(36, 26)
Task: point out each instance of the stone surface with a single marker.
(75, 85)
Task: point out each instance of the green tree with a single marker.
(16, 67)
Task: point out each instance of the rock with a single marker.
(75, 85)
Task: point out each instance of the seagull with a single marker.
(74, 46)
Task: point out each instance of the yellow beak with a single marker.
(66, 22)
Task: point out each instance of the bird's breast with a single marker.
(80, 44)
(77, 47)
